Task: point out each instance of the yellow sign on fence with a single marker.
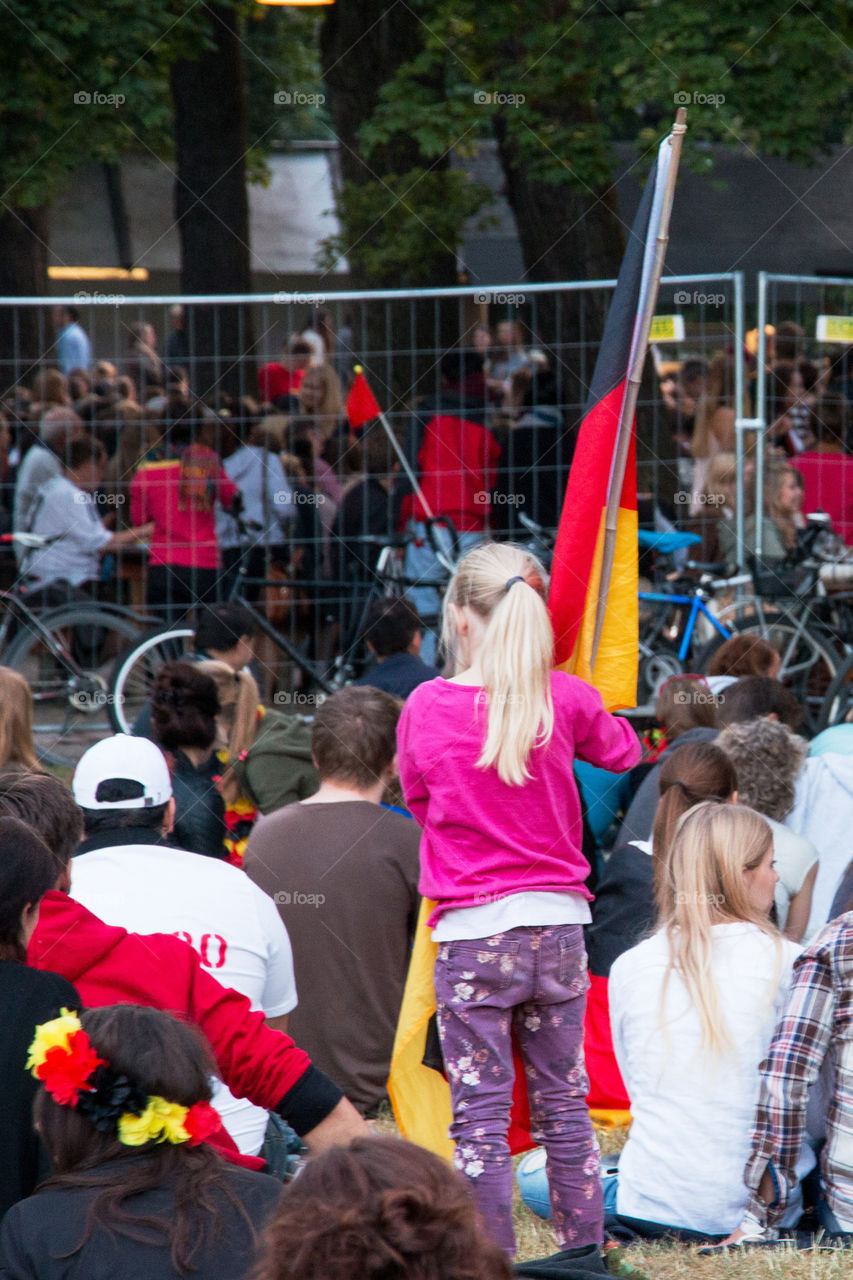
(834, 329)
(667, 329)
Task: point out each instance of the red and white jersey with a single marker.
(234, 927)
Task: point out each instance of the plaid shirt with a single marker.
(817, 1024)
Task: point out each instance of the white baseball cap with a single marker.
(126, 758)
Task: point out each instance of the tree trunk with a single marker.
(361, 47)
(212, 206)
(23, 273)
(564, 235)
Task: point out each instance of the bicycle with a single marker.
(136, 669)
(70, 695)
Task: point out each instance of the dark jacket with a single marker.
(38, 1232)
(398, 674)
(27, 998)
(199, 808)
(641, 815)
(624, 909)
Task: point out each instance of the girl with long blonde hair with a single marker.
(692, 1010)
(485, 763)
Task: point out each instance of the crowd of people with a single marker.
(205, 937)
(654, 926)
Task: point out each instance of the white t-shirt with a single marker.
(534, 907)
(823, 813)
(232, 924)
(793, 857)
(64, 512)
(684, 1159)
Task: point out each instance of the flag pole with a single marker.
(632, 389)
(403, 460)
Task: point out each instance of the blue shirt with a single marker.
(73, 349)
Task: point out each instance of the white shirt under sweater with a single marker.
(232, 924)
(684, 1159)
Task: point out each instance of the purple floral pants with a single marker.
(532, 980)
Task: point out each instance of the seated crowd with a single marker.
(191, 1027)
(205, 937)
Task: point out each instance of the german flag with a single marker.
(594, 571)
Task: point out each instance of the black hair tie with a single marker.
(510, 581)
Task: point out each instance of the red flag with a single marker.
(578, 553)
(362, 404)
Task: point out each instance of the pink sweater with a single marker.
(482, 838)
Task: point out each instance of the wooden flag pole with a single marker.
(632, 390)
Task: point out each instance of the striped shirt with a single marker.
(816, 1027)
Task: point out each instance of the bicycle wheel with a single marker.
(136, 669)
(837, 706)
(68, 677)
(810, 661)
(655, 667)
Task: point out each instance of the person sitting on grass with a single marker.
(383, 1208)
(624, 909)
(123, 1111)
(742, 655)
(815, 1032)
(692, 1011)
(768, 758)
(393, 634)
(27, 872)
(223, 633)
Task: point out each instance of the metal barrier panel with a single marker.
(803, 407)
(192, 396)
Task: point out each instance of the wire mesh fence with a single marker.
(192, 401)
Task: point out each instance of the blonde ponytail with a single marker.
(237, 722)
(517, 652)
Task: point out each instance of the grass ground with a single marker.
(676, 1261)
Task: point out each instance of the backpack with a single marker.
(278, 769)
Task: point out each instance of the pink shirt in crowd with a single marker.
(482, 838)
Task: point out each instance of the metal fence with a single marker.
(166, 372)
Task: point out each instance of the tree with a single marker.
(72, 95)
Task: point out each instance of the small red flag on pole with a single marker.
(362, 404)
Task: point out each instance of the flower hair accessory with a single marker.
(63, 1058)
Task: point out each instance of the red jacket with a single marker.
(184, 522)
(457, 461)
(108, 965)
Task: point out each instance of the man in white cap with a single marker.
(126, 872)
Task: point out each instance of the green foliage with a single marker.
(81, 86)
(563, 79)
(280, 56)
(410, 247)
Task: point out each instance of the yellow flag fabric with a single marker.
(419, 1095)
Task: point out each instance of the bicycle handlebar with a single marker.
(33, 541)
